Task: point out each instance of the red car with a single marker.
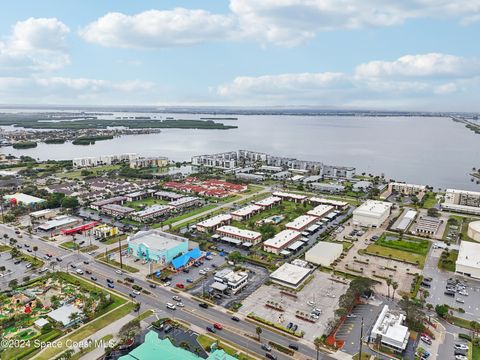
(218, 326)
(180, 286)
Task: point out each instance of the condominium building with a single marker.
(246, 212)
(147, 162)
(290, 196)
(214, 222)
(281, 241)
(462, 201)
(151, 212)
(103, 160)
(301, 223)
(248, 236)
(269, 202)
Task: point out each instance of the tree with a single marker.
(389, 283)
(395, 287)
(317, 342)
(258, 330)
(13, 284)
(414, 314)
(129, 330)
(70, 202)
(433, 212)
(235, 256)
(475, 325)
(35, 249)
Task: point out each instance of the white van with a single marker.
(170, 306)
(79, 271)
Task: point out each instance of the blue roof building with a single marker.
(185, 259)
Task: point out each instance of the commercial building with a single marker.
(390, 331)
(246, 236)
(214, 222)
(320, 211)
(63, 315)
(151, 212)
(406, 220)
(156, 246)
(140, 163)
(290, 196)
(327, 188)
(103, 160)
(269, 202)
(114, 200)
(372, 213)
(254, 177)
(24, 199)
(473, 231)
(58, 223)
(468, 261)
(185, 202)
(324, 253)
(246, 212)
(229, 279)
(338, 205)
(45, 214)
(301, 223)
(462, 201)
(427, 225)
(104, 231)
(281, 241)
(116, 210)
(290, 275)
(187, 259)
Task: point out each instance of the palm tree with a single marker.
(258, 330)
(395, 287)
(35, 249)
(317, 342)
(389, 282)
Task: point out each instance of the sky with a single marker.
(349, 54)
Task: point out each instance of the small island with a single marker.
(25, 145)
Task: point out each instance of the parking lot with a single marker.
(437, 289)
(321, 293)
(12, 270)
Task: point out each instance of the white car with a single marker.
(460, 300)
(310, 303)
(79, 271)
(176, 298)
(180, 304)
(461, 347)
(170, 306)
(460, 357)
(136, 292)
(119, 272)
(314, 316)
(463, 292)
(207, 269)
(202, 272)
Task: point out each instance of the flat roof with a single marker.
(290, 274)
(216, 220)
(58, 221)
(118, 208)
(373, 208)
(63, 313)
(328, 201)
(41, 212)
(170, 194)
(320, 210)
(324, 249)
(297, 244)
(246, 210)
(232, 230)
(469, 254)
(156, 239)
(269, 201)
(282, 238)
(24, 198)
(183, 200)
(301, 221)
(289, 195)
(152, 210)
(231, 240)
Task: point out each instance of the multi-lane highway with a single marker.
(241, 333)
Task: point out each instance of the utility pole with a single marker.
(361, 339)
(120, 252)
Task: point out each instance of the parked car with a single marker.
(176, 298)
(289, 326)
(189, 281)
(460, 300)
(294, 327)
(426, 340)
(59, 259)
(136, 292)
(110, 281)
(460, 346)
(271, 356)
(180, 285)
(185, 270)
(88, 272)
(79, 271)
(449, 293)
(94, 278)
(132, 295)
(119, 272)
(180, 304)
(462, 352)
(461, 357)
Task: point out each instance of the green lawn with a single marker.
(75, 174)
(395, 254)
(185, 215)
(4, 248)
(116, 264)
(417, 246)
(114, 239)
(476, 352)
(70, 245)
(429, 200)
(87, 330)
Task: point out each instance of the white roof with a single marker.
(41, 322)
(410, 214)
(323, 252)
(41, 212)
(62, 314)
(413, 186)
(152, 210)
(469, 254)
(462, 208)
(328, 201)
(246, 210)
(466, 192)
(300, 222)
(289, 273)
(183, 200)
(289, 195)
(156, 239)
(24, 198)
(296, 245)
(373, 208)
(474, 225)
(58, 221)
(268, 201)
(246, 234)
(389, 326)
(282, 238)
(214, 221)
(320, 210)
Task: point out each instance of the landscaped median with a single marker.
(103, 258)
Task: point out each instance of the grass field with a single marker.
(115, 264)
(476, 352)
(429, 200)
(70, 245)
(417, 246)
(396, 254)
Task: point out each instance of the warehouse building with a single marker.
(214, 222)
(468, 261)
(45, 214)
(59, 222)
(324, 253)
(372, 213)
(406, 220)
(427, 225)
(23, 199)
(281, 241)
(156, 246)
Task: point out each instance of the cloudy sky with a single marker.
(376, 54)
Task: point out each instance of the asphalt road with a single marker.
(240, 333)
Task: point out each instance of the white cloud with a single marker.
(421, 76)
(279, 22)
(157, 29)
(35, 45)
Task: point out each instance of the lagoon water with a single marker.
(424, 150)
